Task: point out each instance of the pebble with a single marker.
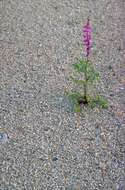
(54, 159)
(3, 137)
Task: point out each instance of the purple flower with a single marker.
(87, 39)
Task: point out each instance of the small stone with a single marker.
(120, 114)
(46, 129)
(3, 137)
(60, 99)
(109, 67)
(54, 159)
(120, 188)
(119, 48)
(119, 125)
(112, 95)
(55, 7)
(123, 81)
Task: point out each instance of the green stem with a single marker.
(85, 85)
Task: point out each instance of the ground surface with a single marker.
(43, 145)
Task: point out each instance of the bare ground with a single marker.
(43, 145)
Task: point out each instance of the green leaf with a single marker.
(77, 108)
(80, 66)
(99, 101)
(87, 68)
(92, 104)
(92, 76)
(79, 82)
(102, 102)
(74, 96)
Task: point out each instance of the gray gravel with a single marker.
(43, 145)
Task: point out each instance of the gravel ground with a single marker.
(43, 145)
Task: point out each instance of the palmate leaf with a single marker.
(92, 76)
(99, 101)
(79, 82)
(80, 66)
(84, 66)
(87, 68)
(77, 108)
(91, 73)
(74, 97)
(102, 102)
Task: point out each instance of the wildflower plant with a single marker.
(85, 76)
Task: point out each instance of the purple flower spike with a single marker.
(87, 39)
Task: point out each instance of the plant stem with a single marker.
(85, 85)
